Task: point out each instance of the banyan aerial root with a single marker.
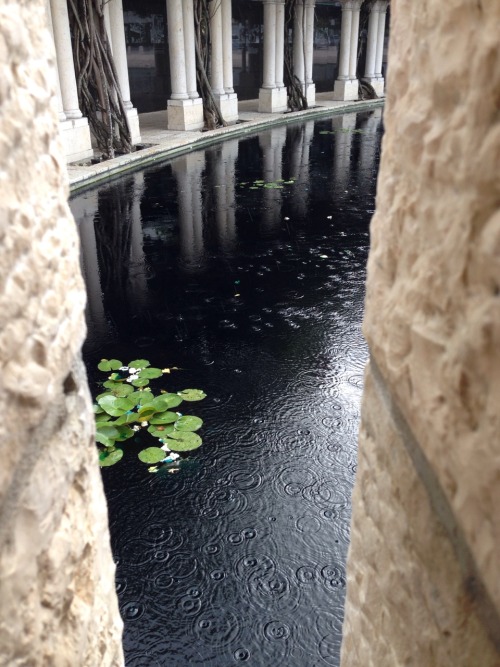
(129, 409)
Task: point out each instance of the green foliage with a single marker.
(269, 185)
(122, 412)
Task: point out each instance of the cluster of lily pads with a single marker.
(128, 408)
(271, 185)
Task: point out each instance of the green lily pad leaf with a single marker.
(97, 409)
(124, 404)
(123, 390)
(150, 373)
(151, 455)
(259, 182)
(109, 365)
(146, 412)
(288, 182)
(108, 430)
(192, 394)
(139, 363)
(188, 423)
(141, 397)
(140, 382)
(112, 385)
(110, 458)
(124, 433)
(108, 404)
(105, 393)
(164, 418)
(104, 440)
(160, 430)
(102, 417)
(179, 441)
(166, 401)
(127, 418)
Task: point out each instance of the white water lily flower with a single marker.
(123, 368)
(144, 423)
(133, 370)
(165, 448)
(174, 456)
(136, 428)
(133, 377)
(130, 379)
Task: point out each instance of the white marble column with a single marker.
(116, 32)
(183, 112)
(272, 95)
(73, 127)
(380, 41)
(60, 110)
(346, 85)
(375, 46)
(227, 46)
(298, 43)
(310, 91)
(216, 51)
(189, 48)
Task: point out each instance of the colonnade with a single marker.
(74, 127)
(185, 107)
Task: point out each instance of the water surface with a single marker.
(257, 294)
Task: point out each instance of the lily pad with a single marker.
(124, 433)
(151, 455)
(150, 373)
(164, 418)
(160, 430)
(141, 397)
(109, 365)
(140, 382)
(108, 404)
(179, 441)
(102, 417)
(110, 458)
(146, 412)
(139, 363)
(166, 401)
(188, 423)
(192, 394)
(97, 409)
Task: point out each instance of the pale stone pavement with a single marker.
(167, 143)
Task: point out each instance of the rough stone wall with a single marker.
(423, 568)
(57, 600)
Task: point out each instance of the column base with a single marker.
(310, 94)
(75, 135)
(228, 105)
(346, 90)
(133, 123)
(185, 114)
(378, 84)
(272, 100)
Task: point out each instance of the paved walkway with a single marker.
(164, 143)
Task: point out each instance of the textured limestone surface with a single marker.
(433, 326)
(406, 600)
(58, 604)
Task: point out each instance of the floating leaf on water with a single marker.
(324, 256)
(253, 187)
(151, 455)
(127, 418)
(97, 409)
(107, 430)
(140, 382)
(110, 458)
(108, 404)
(179, 441)
(167, 401)
(150, 373)
(160, 430)
(102, 417)
(109, 365)
(288, 182)
(259, 182)
(139, 363)
(124, 433)
(124, 403)
(188, 423)
(146, 412)
(192, 394)
(141, 397)
(164, 418)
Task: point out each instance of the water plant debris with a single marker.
(129, 408)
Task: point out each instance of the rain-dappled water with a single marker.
(257, 294)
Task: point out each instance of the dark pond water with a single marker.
(257, 294)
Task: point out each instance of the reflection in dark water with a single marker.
(257, 294)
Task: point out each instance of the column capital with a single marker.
(351, 5)
(380, 6)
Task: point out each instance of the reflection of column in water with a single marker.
(343, 127)
(369, 143)
(299, 166)
(84, 210)
(188, 170)
(272, 144)
(137, 274)
(225, 198)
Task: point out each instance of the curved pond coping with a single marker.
(170, 144)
